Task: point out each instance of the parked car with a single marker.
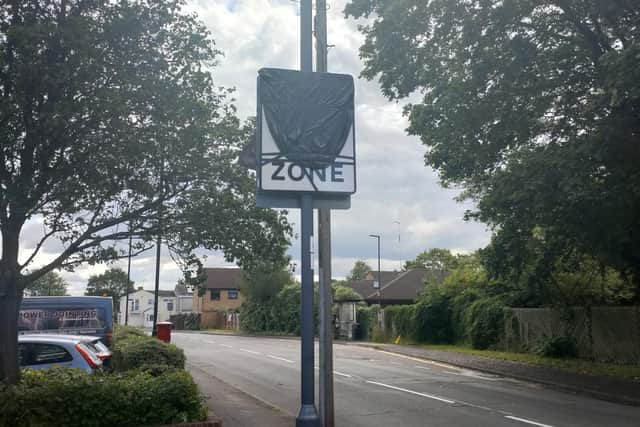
(86, 315)
(94, 343)
(42, 351)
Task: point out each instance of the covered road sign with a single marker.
(305, 138)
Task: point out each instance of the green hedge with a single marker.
(122, 332)
(433, 318)
(135, 352)
(400, 320)
(561, 346)
(70, 397)
(484, 321)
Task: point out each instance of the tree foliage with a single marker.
(113, 126)
(359, 271)
(51, 284)
(434, 259)
(112, 283)
(531, 106)
(342, 293)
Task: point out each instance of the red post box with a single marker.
(164, 331)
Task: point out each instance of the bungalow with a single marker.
(398, 287)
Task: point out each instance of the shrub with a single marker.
(122, 332)
(400, 320)
(377, 335)
(364, 320)
(484, 320)
(136, 352)
(432, 317)
(70, 397)
(561, 346)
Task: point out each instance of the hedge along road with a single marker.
(375, 388)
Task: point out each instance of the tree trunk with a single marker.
(10, 300)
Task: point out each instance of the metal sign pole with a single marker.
(308, 415)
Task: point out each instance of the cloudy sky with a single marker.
(397, 195)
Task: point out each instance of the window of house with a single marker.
(169, 305)
(232, 294)
(150, 302)
(215, 294)
(136, 305)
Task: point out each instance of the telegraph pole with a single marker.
(126, 306)
(324, 257)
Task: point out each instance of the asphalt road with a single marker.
(376, 388)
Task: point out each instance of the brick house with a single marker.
(219, 298)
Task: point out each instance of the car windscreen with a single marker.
(70, 320)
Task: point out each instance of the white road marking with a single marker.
(471, 374)
(281, 358)
(423, 367)
(224, 345)
(342, 374)
(249, 351)
(429, 396)
(523, 420)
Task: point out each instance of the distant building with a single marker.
(141, 306)
(219, 298)
(398, 287)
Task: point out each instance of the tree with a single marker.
(531, 106)
(112, 126)
(359, 271)
(263, 283)
(112, 283)
(342, 293)
(51, 284)
(435, 258)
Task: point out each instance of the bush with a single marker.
(562, 346)
(278, 315)
(70, 397)
(484, 321)
(432, 317)
(136, 352)
(122, 332)
(364, 322)
(400, 320)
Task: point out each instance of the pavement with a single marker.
(254, 381)
(600, 387)
(234, 407)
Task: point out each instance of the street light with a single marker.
(377, 236)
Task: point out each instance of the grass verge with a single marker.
(625, 372)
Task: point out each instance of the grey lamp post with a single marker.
(377, 236)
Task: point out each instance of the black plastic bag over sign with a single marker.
(309, 115)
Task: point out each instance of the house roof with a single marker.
(385, 276)
(223, 278)
(407, 286)
(365, 287)
(161, 293)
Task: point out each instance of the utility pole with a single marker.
(325, 377)
(126, 305)
(308, 414)
(154, 331)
